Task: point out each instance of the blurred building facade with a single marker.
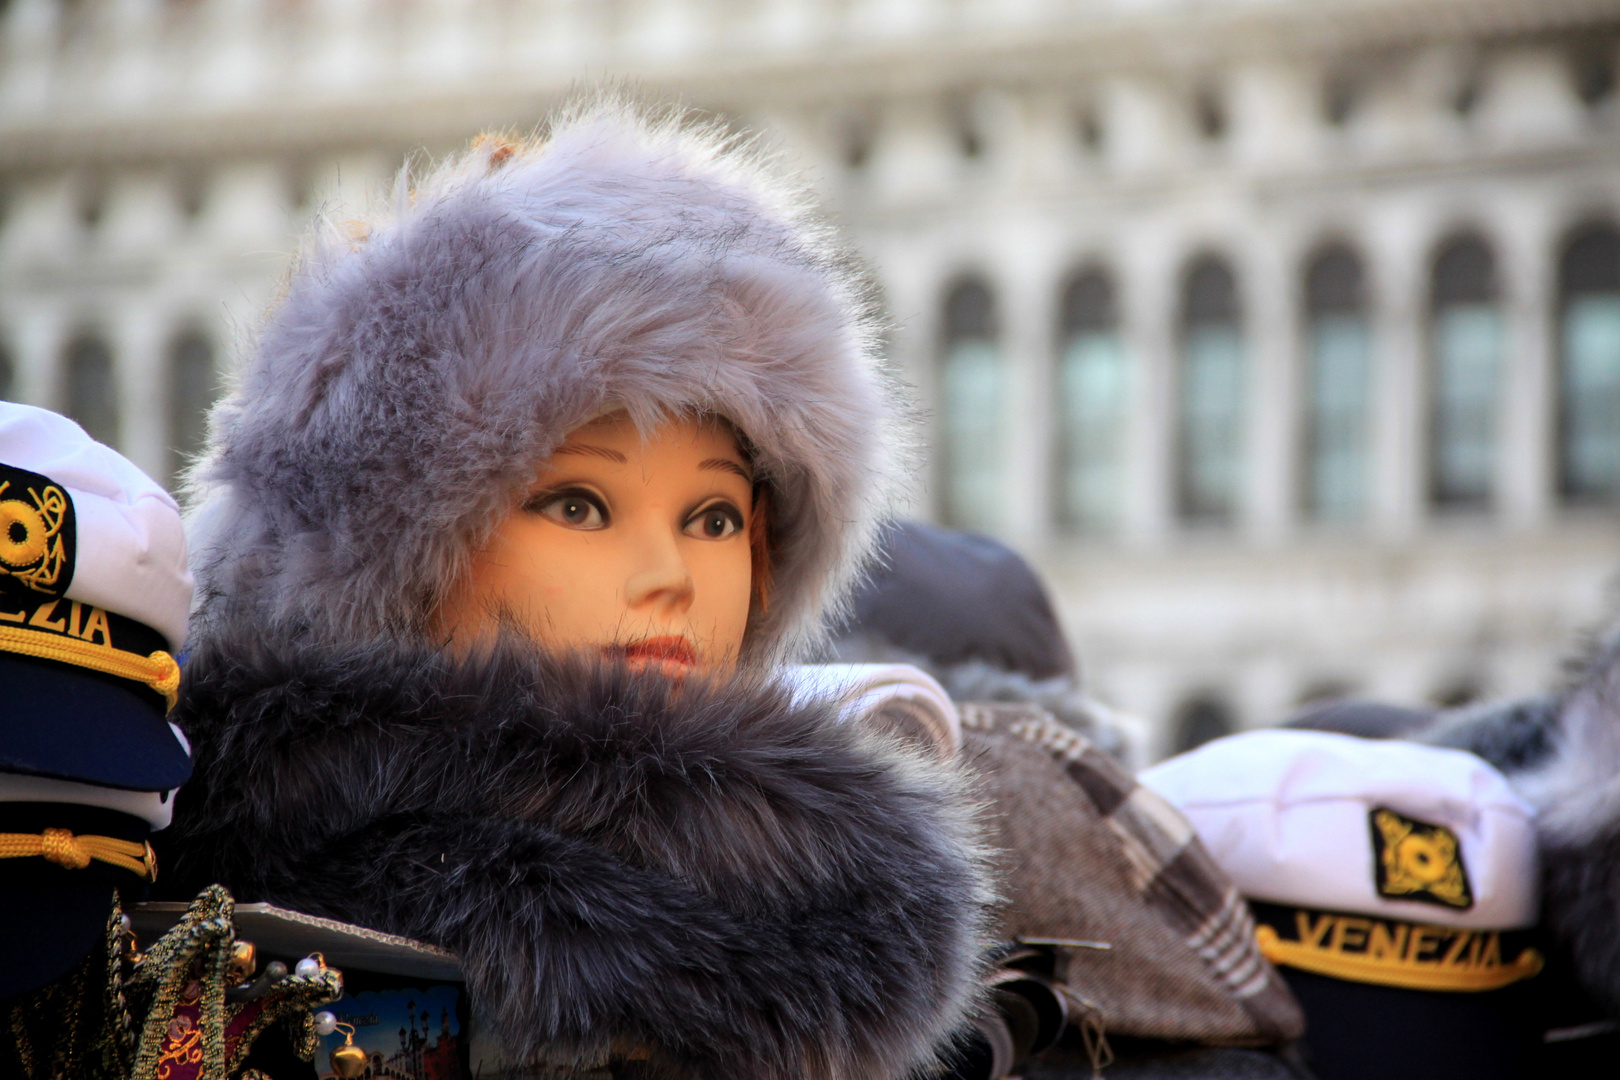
(1285, 337)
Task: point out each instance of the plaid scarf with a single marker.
(1089, 855)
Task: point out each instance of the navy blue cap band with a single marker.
(69, 723)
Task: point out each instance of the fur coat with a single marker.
(751, 888)
(1561, 751)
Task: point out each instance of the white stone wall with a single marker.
(160, 157)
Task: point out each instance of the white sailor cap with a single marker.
(1386, 828)
(94, 597)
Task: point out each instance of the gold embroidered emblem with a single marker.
(36, 533)
(1414, 860)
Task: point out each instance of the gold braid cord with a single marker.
(161, 1016)
(75, 852)
(158, 670)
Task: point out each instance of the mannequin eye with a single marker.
(571, 509)
(717, 521)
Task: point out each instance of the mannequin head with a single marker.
(640, 546)
(423, 363)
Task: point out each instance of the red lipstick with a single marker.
(672, 652)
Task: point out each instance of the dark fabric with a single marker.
(753, 888)
(1512, 735)
(51, 924)
(1354, 1031)
(72, 1027)
(1366, 719)
(274, 1055)
(1579, 1037)
(1144, 1059)
(955, 597)
(51, 917)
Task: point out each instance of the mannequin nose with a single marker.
(660, 577)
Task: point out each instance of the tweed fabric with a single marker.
(1089, 854)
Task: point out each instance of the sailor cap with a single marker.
(1377, 827)
(94, 597)
(1394, 886)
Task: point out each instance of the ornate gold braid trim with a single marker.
(158, 670)
(75, 852)
(291, 997)
(165, 970)
(207, 932)
(84, 1024)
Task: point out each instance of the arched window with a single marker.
(970, 407)
(1093, 397)
(1337, 381)
(1199, 720)
(1209, 447)
(192, 388)
(1589, 368)
(1467, 356)
(92, 393)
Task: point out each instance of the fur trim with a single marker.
(750, 886)
(1514, 735)
(976, 681)
(1562, 753)
(425, 362)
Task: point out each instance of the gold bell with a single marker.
(243, 963)
(348, 1060)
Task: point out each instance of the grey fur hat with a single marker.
(424, 363)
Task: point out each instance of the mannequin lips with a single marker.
(674, 654)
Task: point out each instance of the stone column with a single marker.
(1146, 281)
(342, 56)
(912, 289)
(141, 215)
(1027, 275)
(913, 160)
(29, 66)
(1526, 461)
(137, 334)
(1398, 242)
(1271, 332)
(233, 57)
(134, 67)
(38, 335)
(40, 233)
(1142, 125)
(1273, 120)
(246, 206)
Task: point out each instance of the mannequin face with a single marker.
(635, 547)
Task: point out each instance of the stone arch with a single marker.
(972, 389)
(1210, 394)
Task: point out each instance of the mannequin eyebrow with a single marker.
(715, 464)
(593, 451)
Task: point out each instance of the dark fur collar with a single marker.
(753, 888)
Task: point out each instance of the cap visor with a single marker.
(73, 724)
